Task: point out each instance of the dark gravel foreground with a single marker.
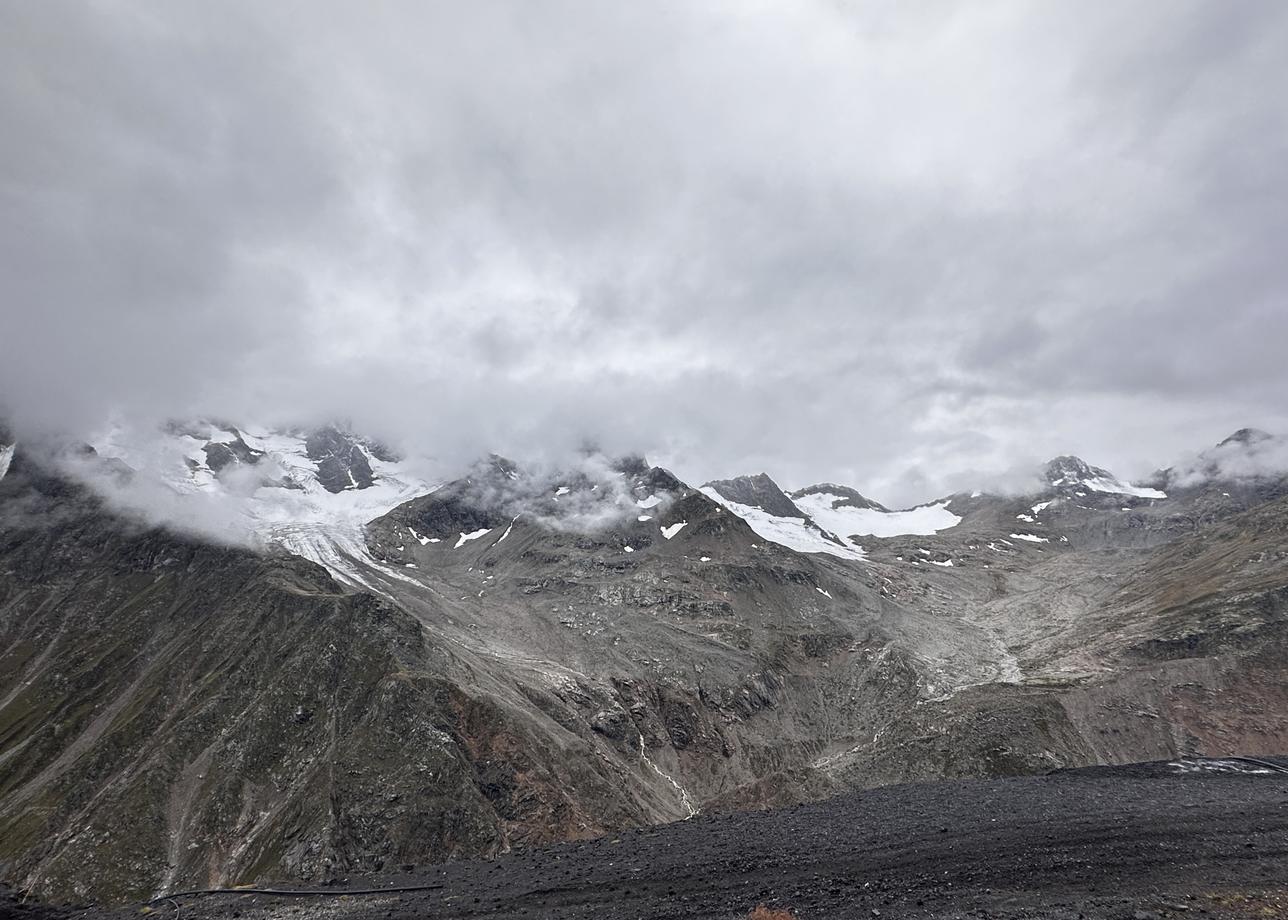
(1144, 842)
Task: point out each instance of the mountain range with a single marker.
(231, 653)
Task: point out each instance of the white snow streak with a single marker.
(465, 537)
(685, 800)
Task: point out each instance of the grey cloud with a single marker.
(835, 241)
(1259, 456)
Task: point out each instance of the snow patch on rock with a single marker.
(793, 533)
(846, 520)
(473, 535)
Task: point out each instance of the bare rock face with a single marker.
(220, 454)
(1068, 470)
(341, 459)
(757, 491)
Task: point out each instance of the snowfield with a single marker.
(793, 533)
(831, 530)
(1113, 486)
(846, 520)
(298, 514)
(473, 535)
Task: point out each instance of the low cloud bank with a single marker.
(1247, 456)
(154, 477)
(585, 493)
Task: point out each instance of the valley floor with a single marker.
(1149, 842)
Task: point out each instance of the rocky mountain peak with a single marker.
(1247, 437)
(631, 464)
(757, 491)
(344, 459)
(1250, 456)
(576, 516)
(1073, 475)
(1069, 470)
(221, 454)
(842, 496)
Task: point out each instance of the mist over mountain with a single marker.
(249, 486)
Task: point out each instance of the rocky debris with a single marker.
(611, 723)
(1160, 841)
(16, 906)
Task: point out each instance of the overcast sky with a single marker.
(903, 246)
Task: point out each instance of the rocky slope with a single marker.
(525, 655)
(173, 711)
(1145, 842)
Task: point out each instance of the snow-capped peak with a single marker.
(1073, 474)
(840, 496)
(757, 491)
(310, 491)
(1249, 455)
(823, 518)
(1247, 437)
